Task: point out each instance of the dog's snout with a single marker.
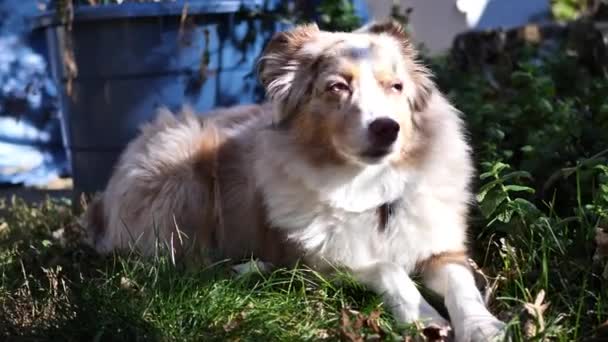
(384, 131)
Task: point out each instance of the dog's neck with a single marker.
(353, 188)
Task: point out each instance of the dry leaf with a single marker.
(601, 251)
(322, 334)
(358, 322)
(372, 321)
(346, 329)
(234, 322)
(486, 284)
(601, 240)
(435, 333)
(601, 332)
(127, 284)
(532, 320)
(363, 328)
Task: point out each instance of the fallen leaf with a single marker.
(362, 328)
(234, 322)
(435, 333)
(486, 284)
(532, 320)
(601, 250)
(346, 328)
(322, 334)
(601, 240)
(601, 332)
(127, 284)
(360, 319)
(372, 321)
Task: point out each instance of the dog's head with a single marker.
(347, 97)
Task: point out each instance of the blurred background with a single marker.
(78, 77)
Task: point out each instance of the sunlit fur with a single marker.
(294, 179)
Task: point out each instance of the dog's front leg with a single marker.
(469, 316)
(399, 293)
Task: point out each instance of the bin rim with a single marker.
(84, 13)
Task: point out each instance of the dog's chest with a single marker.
(349, 227)
(387, 233)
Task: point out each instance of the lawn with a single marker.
(539, 126)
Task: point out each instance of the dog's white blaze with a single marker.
(370, 95)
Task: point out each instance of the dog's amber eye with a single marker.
(338, 87)
(397, 87)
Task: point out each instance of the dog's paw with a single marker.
(486, 329)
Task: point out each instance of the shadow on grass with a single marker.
(52, 293)
(60, 289)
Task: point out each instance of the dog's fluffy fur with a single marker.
(299, 178)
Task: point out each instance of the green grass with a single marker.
(62, 290)
(57, 288)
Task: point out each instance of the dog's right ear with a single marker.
(280, 61)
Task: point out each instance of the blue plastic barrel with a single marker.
(133, 58)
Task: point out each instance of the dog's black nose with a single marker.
(383, 131)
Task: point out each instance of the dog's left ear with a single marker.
(421, 76)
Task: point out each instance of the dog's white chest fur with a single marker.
(335, 216)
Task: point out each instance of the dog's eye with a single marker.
(338, 87)
(397, 87)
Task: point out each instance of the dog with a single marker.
(357, 161)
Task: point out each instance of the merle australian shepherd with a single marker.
(358, 162)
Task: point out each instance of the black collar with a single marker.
(385, 212)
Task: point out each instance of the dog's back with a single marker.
(164, 190)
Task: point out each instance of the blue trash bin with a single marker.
(133, 58)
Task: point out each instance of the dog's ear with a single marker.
(279, 62)
(420, 74)
(390, 27)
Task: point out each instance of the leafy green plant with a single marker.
(496, 196)
(566, 10)
(538, 124)
(338, 15)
